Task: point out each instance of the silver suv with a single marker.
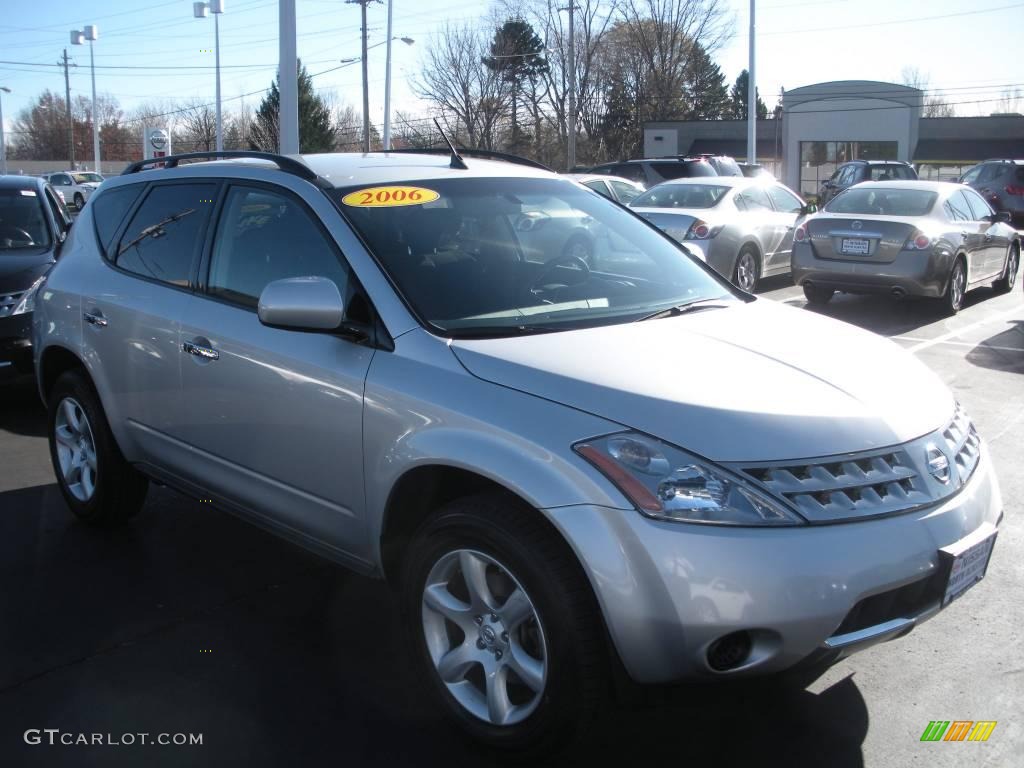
(565, 466)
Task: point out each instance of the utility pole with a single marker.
(366, 84)
(67, 109)
(571, 159)
(752, 97)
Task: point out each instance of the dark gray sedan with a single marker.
(920, 238)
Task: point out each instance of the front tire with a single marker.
(953, 299)
(1005, 283)
(504, 626)
(100, 487)
(79, 201)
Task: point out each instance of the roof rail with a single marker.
(285, 163)
(484, 154)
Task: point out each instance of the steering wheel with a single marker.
(553, 264)
(25, 236)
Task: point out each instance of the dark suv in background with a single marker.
(1001, 183)
(656, 170)
(856, 171)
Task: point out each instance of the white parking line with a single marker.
(961, 331)
(960, 344)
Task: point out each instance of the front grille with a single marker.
(8, 301)
(865, 484)
(904, 602)
(872, 483)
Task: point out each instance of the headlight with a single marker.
(666, 483)
(28, 299)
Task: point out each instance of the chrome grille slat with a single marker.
(8, 301)
(880, 482)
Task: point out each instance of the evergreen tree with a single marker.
(517, 55)
(738, 99)
(704, 87)
(316, 134)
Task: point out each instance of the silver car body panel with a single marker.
(309, 433)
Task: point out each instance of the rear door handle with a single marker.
(95, 318)
(206, 353)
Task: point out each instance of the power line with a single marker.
(915, 20)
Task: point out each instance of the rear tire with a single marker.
(1005, 283)
(100, 487)
(818, 296)
(562, 634)
(953, 299)
(748, 270)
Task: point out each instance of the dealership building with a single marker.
(827, 124)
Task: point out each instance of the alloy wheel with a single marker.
(746, 272)
(76, 449)
(1012, 268)
(485, 637)
(956, 286)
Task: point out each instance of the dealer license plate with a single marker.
(855, 246)
(969, 562)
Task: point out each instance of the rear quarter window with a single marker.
(109, 208)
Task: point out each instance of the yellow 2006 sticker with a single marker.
(383, 197)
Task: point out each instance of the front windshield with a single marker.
(22, 221)
(886, 201)
(681, 196)
(495, 256)
(88, 178)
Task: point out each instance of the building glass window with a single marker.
(819, 159)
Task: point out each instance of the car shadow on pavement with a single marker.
(1002, 352)
(21, 410)
(190, 621)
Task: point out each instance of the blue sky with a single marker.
(961, 45)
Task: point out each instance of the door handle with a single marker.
(206, 353)
(95, 318)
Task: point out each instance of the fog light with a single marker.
(729, 652)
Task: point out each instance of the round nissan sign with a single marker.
(158, 139)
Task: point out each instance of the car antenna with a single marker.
(457, 162)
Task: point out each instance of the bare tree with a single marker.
(196, 127)
(471, 99)
(933, 104)
(1010, 101)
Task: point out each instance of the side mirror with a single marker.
(302, 304)
(998, 216)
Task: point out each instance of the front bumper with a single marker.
(670, 590)
(913, 273)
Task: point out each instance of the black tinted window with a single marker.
(631, 171)
(890, 172)
(109, 208)
(164, 235)
(264, 236)
(683, 170)
(22, 220)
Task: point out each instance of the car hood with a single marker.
(20, 269)
(753, 382)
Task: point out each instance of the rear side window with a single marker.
(164, 236)
(683, 170)
(109, 208)
(784, 200)
(755, 198)
(957, 208)
(979, 207)
(891, 172)
(265, 236)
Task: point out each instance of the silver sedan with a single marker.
(742, 227)
(921, 238)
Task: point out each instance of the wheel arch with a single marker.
(54, 361)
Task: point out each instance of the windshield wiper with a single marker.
(498, 331)
(682, 309)
(156, 230)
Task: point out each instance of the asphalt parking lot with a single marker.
(191, 621)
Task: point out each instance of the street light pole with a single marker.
(571, 153)
(199, 10)
(3, 146)
(288, 107)
(67, 110)
(91, 33)
(387, 86)
(751, 96)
